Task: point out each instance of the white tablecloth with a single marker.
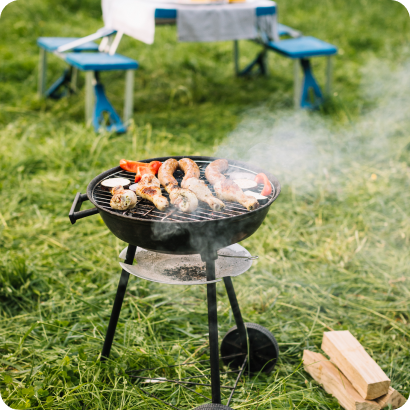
(210, 22)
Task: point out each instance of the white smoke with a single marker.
(297, 145)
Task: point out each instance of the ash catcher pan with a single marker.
(187, 269)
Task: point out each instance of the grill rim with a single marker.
(247, 167)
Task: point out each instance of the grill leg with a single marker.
(213, 332)
(116, 309)
(236, 311)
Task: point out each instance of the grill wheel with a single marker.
(263, 348)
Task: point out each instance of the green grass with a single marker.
(334, 250)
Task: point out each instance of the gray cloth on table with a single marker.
(225, 22)
(267, 28)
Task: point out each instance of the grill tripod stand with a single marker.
(245, 343)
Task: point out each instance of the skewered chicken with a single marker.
(122, 199)
(226, 189)
(192, 182)
(149, 188)
(182, 198)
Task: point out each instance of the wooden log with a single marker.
(333, 381)
(349, 356)
(392, 397)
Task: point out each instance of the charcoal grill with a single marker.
(204, 233)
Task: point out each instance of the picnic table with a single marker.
(212, 21)
(201, 21)
(196, 21)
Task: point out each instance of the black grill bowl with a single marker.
(193, 237)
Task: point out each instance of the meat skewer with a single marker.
(184, 199)
(149, 188)
(192, 182)
(226, 189)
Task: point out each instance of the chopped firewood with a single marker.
(354, 362)
(333, 381)
(393, 397)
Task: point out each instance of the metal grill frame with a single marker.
(101, 198)
(187, 236)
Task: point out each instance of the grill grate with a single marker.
(147, 211)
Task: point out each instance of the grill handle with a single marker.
(75, 212)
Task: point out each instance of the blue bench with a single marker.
(261, 58)
(68, 81)
(301, 50)
(93, 64)
(85, 55)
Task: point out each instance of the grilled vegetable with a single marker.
(245, 183)
(140, 168)
(109, 184)
(263, 179)
(147, 169)
(241, 175)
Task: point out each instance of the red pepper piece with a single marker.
(155, 165)
(131, 166)
(140, 168)
(267, 187)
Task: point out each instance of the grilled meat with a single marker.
(191, 170)
(149, 188)
(182, 198)
(213, 171)
(122, 199)
(229, 191)
(226, 189)
(192, 182)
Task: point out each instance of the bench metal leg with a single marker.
(329, 77)
(265, 70)
(297, 84)
(236, 56)
(42, 72)
(89, 96)
(260, 62)
(128, 95)
(74, 79)
(62, 86)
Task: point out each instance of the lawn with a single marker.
(333, 251)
